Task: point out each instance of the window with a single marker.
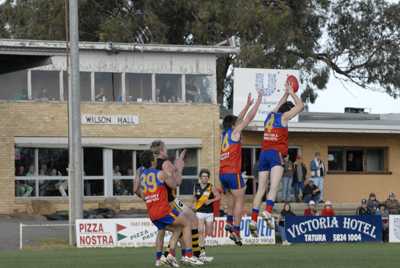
(168, 88)
(14, 85)
(93, 181)
(85, 86)
(108, 87)
(358, 160)
(198, 89)
(45, 85)
(138, 87)
(122, 172)
(53, 164)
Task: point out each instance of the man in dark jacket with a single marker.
(363, 209)
(299, 176)
(311, 192)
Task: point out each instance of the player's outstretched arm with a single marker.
(173, 172)
(245, 108)
(246, 121)
(298, 105)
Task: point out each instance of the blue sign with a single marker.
(338, 229)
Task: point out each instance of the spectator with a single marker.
(299, 176)
(117, 171)
(311, 192)
(43, 95)
(286, 211)
(23, 189)
(43, 170)
(20, 171)
(101, 96)
(385, 222)
(364, 209)
(373, 203)
(31, 171)
(318, 173)
(311, 210)
(392, 204)
(328, 211)
(287, 178)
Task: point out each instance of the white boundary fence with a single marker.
(22, 226)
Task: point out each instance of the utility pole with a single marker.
(74, 124)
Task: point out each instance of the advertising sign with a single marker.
(302, 229)
(269, 81)
(141, 232)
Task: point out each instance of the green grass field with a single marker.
(297, 256)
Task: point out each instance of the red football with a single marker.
(293, 80)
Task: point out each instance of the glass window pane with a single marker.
(186, 188)
(53, 188)
(138, 87)
(14, 85)
(93, 187)
(53, 162)
(335, 159)
(354, 160)
(375, 160)
(25, 188)
(122, 163)
(168, 88)
(191, 163)
(93, 161)
(24, 161)
(108, 87)
(45, 85)
(123, 187)
(198, 89)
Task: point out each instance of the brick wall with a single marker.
(46, 119)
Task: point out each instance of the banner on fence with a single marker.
(333, 229)
(141, 232)
(394, 228)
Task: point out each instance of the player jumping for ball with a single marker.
(231, 162)
(274, 149)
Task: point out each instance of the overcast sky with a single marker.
(341, 94)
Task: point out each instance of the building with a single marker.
(361, 152)
(131, 94)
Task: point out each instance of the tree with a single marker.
(358, 40)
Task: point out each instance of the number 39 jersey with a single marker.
(155, 194)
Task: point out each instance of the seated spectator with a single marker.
(311, 192)
(385, 222)
(23, 189)
(311, 210)
(20, 171)
(43, 170)
(373, 203)
(286, 211)
(363, 209)
(101, 96)
(328, 211)
(117, 171)
(62, 187)
(31, 171)
(392, 204)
